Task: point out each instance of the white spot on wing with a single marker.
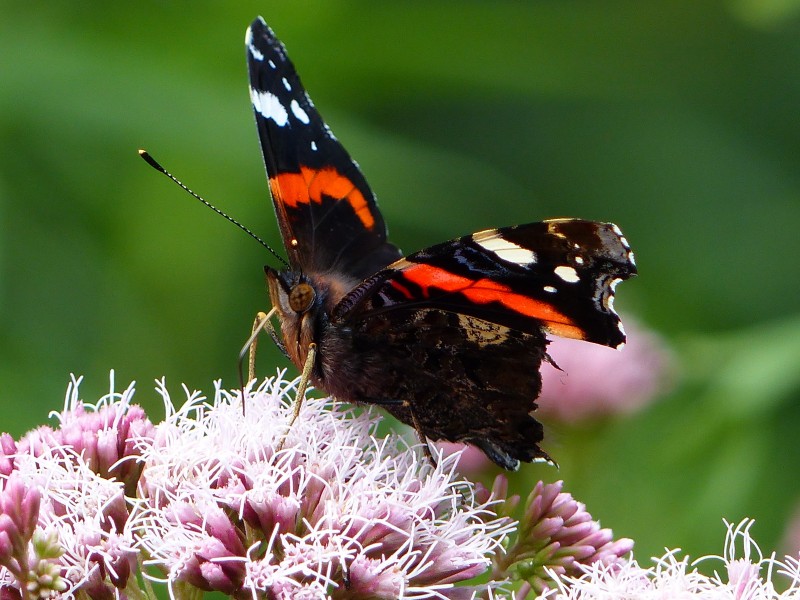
(550, 289)
(622, 331)
(568, 274)
(298, 112)
(314, 146)
(608, 299)
(579, 260)
(621, 237)
(490, 240)
(254, 52)
(272, 64)
(269, 106)
(286, 84)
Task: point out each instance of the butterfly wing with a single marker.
(555, 276)
(328, 216)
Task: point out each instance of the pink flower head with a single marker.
(105, 434)
(70, 525)
(557, 537)
(593, 381)
(19, 513)
(746, 574)
(246, 505)
(8, 448)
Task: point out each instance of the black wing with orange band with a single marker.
(558, 276)
(327, 213)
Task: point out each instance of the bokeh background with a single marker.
(678, 120)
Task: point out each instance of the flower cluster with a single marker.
(746, 574)
(630, 379)
(64, 520)
(555, 538)
(210, 500)
(322, 509)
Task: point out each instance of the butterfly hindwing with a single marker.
(463, 379)
(327, 214)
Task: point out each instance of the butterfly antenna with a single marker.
(154, 163)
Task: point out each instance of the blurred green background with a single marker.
(677, 120)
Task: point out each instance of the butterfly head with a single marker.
(290, 292)
(298, 306)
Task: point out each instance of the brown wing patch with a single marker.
(464, 378)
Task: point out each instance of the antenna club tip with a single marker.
(150, 160)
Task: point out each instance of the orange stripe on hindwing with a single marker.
(484, 291)
(310, 185)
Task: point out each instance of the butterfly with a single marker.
(449, 339)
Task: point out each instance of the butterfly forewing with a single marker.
(327, 213)
(557, 276)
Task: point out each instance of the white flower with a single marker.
(217, 500)
(239, 502)
(745, 575)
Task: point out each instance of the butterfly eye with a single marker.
(301, 297)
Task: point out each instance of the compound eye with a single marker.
(301, 297)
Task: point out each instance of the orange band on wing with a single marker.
(401, 288)
(483, 291)
(310, 185)
(566, 331)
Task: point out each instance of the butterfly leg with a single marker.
(301, 389)
(262, 322)
(420, 434)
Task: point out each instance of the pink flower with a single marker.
(67, 523)
(745, 575)
(245, 505)
(595, 381)
(105, 435)
(555, 537)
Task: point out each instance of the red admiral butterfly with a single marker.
(449, 339)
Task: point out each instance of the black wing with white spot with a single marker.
(327, 213)
(556, 276)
